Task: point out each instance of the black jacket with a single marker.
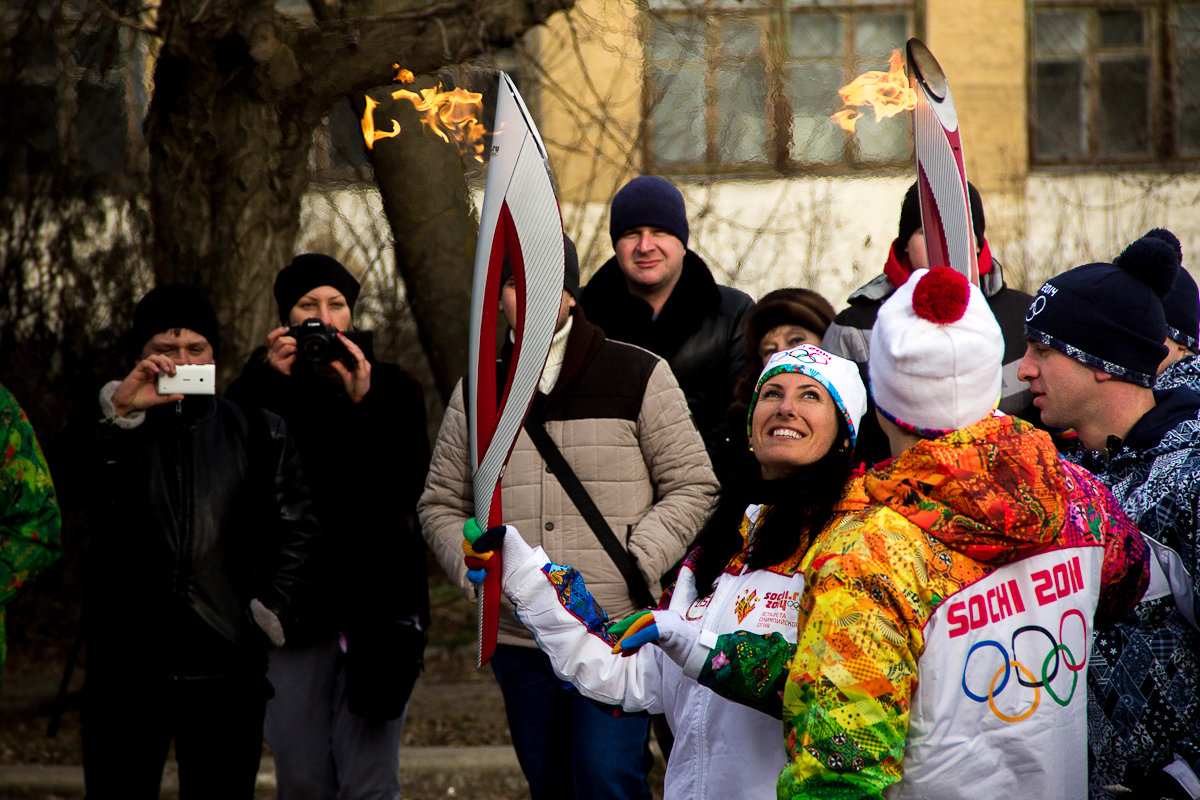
(699, 333)
(366, 464)
(199, 510)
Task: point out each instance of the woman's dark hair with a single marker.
(801, 505)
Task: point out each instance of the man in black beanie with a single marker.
(658, 294)
(200, 537)
(1095, 341)
(849, 335)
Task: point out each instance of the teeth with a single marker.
(786, 433)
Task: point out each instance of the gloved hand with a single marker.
(267, 621)
(665, 628)
(478, 548)
(621, 628)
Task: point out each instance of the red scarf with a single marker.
(898, 268)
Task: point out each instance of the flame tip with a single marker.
(888, 93)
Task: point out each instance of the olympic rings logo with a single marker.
(1036, 307)
(1050, 664)
(809, 354)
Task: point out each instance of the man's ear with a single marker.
(1100, 375)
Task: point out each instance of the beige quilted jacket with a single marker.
(623, 425)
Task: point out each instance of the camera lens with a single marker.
(316, 349)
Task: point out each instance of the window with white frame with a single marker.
(749, 85)
(1115, 82)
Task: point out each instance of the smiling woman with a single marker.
(741, 580)
(794, 423)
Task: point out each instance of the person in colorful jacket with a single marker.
(947, 613)
(1096, 339)
(30, 519)
(744, 577)
(947, 616)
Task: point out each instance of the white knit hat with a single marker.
(936, 354)
(838, 375)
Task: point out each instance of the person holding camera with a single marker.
(343, 680)
(201, 540)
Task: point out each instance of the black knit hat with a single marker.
(570, 267)
(308, 271)
(790, 306)
(1109, 316)
(651, 201)
(910, 214)
(1182, 303)
(174, 306)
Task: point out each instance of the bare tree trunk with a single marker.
(435, 233)
(229, 167)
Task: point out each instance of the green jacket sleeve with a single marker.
(30, 520)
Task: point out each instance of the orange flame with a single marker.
(453, 115)
(888, 93)
(370, 135)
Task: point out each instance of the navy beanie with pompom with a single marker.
(648, 201)
(1110, 316)
(1182, 303)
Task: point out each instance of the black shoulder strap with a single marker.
(639, 591)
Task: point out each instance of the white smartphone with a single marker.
(190, 379)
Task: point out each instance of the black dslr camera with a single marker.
(318, 343)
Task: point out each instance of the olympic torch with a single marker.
(941, 173)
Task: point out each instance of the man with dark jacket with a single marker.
(849, 335)
(343, 680)
(1096, 339)
(658, 294)
(201, 534)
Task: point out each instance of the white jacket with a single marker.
(722, 749)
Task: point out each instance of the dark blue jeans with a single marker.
(569, 746)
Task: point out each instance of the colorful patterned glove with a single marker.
(665, 628)
(479, 547)
(640, 618)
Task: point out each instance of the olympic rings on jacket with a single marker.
(1058, 654)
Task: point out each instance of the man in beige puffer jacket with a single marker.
(618, 416)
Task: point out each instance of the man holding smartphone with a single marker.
(201, 532)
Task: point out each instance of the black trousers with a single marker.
(130, 721)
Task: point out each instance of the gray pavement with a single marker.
(451, 763)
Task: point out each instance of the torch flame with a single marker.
(370, 135)
(888, 93)
(453, 115)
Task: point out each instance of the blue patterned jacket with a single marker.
(1144, 678)
(1185, 372)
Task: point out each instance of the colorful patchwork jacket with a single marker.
(946, 623)
(1144, 682)
(29, 515)
(722, 749)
